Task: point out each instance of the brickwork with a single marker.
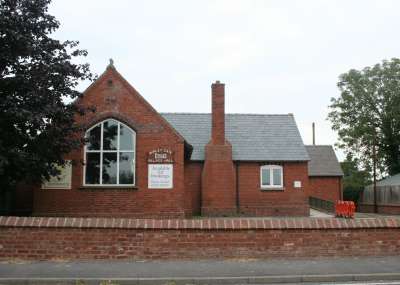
(326, 188)
(382, 209)
(135, 239)
(218, 196)
(218, 183)
(288, 201)
(218, 113)
(23, 200)
(114, 97)
(193, 187)
(253, 201)
(217, 186)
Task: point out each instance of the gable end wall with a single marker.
(114, 99)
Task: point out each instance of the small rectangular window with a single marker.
(125, 138)
(110, 135)
(93, 138)
(271, 176)
(92, 168)
(126, 165)
(110, 168)
(265, 177)
(277, 177)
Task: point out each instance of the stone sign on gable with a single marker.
(160, 155)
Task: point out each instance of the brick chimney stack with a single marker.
(218, 177)
(218, 113)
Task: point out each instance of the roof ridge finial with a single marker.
(111, 64)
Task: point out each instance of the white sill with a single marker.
(110, 187)
(272, 188)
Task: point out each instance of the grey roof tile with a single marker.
(393, 180)
(253, 137)
(323, 161)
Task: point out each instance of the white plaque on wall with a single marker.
(63, 181)
(160, 176)
(297, 184)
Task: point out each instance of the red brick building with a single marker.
(140, 163)
(325, 173)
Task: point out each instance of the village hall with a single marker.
(137, 162)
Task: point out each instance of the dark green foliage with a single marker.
(354, 179)
(37, 74)
(368, 111)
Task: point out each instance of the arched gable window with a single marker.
(271, 176)
(110, 154)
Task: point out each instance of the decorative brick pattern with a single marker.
(137, 239)
(200, 224)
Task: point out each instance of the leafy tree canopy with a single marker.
(36, 75)
(354, 179)
(367, 113)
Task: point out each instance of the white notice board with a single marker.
(63, 181)
(160, 176)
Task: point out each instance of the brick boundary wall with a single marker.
(41, 238)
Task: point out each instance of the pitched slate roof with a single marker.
(253, 137)
(323, 161)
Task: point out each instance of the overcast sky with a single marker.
(274, 56)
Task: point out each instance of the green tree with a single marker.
(37, 74)
(367, 114)
(354, 179)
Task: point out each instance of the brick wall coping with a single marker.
(201, 224)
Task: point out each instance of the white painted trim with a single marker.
(101, 153)
(270, 168)
(117, 151)
(66, 173)
(118, 148)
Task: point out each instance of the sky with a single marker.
(275, 57)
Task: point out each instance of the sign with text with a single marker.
(160, 176)
(63, 181)
(160, 155)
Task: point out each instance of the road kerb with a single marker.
(206, 280)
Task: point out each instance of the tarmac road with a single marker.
(240, 271)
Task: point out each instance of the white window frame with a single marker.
(271, 168)
(117, 151)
